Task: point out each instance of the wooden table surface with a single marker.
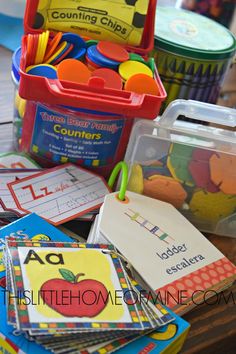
(213, 327)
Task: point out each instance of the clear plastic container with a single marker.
(189, 165)
(19, 103)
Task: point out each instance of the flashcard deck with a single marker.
(168, 339)
(185, 262)
(30, 227)
(62, 265)
(60, 194)
(16, 160)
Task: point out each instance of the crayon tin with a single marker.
(191, 166)
(192, 53)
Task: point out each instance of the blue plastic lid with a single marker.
(16, 64)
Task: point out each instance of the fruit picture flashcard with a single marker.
(78, 284)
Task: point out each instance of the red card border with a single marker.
(49, 171)
(17, 170)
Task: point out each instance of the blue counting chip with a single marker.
(78, 44)
(80, 54)
(96, 57)
(43, 70)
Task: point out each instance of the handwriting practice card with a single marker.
(6, 199)
(16, 160)
(60, 194)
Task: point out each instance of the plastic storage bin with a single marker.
(19, 103)
(86, 124)
(189, 165)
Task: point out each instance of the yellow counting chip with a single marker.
(212, 207)
(44, 43)
(131, 67)
(60, 49)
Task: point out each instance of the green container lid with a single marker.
(191, 35)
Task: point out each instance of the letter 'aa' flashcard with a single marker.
(60, 194)
(78, 287)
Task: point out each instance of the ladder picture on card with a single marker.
(152, 228)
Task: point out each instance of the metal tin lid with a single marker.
(189, 34)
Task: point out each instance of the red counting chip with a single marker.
(113, 51)
(111, 78)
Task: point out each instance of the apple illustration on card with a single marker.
(72, 297)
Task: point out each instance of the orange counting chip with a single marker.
(223, 172)
(35, 47)
(52, 46)
(73, 70)
(166, 189)
(29, 49)
(142, 84)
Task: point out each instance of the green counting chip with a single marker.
(178, 160)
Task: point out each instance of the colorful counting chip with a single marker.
(166, 189)
(44, 70)
(211, 207)
(96, 57)
(136, 57)
(110, 77)
(63, 54)
(223, 172)
(52, 45)
(178, 160)
(131, 67)
(91, 42)
(58, 52)
(142, 84)
(74, 71)
(113, 51)
(79, 45)
(200, 170)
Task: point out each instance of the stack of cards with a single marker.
(168, 255)
(13, 166)
(58, 194)
(70, 296)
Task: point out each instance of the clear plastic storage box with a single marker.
(190, 165)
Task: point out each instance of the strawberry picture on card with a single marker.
(59, 194)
